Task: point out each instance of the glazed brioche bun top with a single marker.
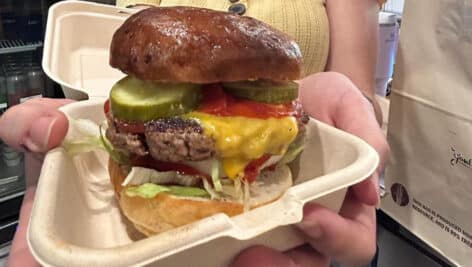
(196, 45)
(164, 212)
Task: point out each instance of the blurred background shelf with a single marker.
(17, 46)
(4, 251)
(11, 179)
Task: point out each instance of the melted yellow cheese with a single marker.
(239, 140)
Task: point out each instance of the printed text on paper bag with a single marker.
(458, 158)
(447, 225)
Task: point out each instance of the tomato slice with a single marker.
(217, 102)
(106, 107)
(151, 163)
(253, 168)
(250, 172)
(122, 125)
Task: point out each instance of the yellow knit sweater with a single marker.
(304, 20)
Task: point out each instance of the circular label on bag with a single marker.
(399, 194)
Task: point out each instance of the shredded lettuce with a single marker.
(292, 154)
(236, 190)
(210, 190)
(86, 127)
(187, 191)
(215, 175)
(150, 190)
(146, 190)
(293, 150)
(85, 136)
(246, 196)
(115, 154)
(141, 175)
(88, 144)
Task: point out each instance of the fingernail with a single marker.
(38, 138)
(311, 228)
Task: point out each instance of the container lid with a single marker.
(76, 57)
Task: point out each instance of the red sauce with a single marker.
(151, 163)
(250, 172)
(217, 102)
(252, 169)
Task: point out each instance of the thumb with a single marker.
(35, 126)
(46, 132)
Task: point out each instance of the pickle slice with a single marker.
(132, 99)
(264, 91)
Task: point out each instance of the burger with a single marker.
(205, 120)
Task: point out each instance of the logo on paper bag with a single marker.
(459, 159)
(399, 194)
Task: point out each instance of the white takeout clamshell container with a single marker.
(75, 219)
(76, 47)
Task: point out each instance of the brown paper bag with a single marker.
(429, 179)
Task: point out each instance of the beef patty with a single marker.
(176, 139)
(172, 139)
(169, 139)
(133, 143)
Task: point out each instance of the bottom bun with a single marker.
(164, 212)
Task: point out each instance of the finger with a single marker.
(368, 130)
(46, 132)
(52, 103)
(319, 94)
(332, 98)
(360, 121)
(349, 238)
(33, 128)
(368, 191)
(356, 115)
(36, 126)
(306, 256)
(260, 256)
